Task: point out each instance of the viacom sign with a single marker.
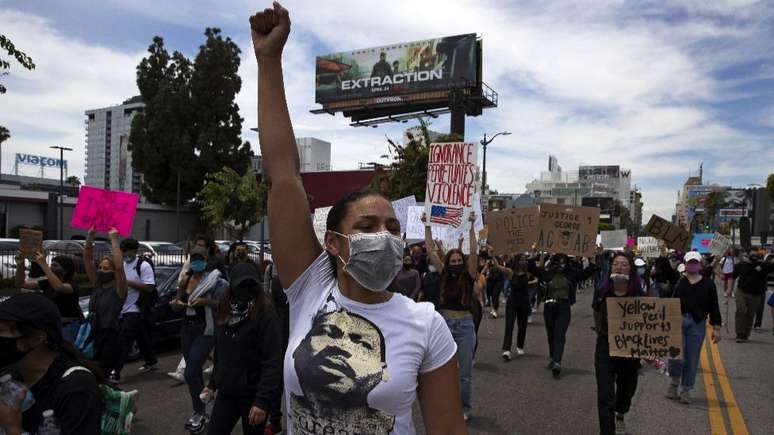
(29, 159)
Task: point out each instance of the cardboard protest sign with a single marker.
(513, 230)
(644, 327)
(401, 207)
(319, 221)
(104, 209)
(674, 236)
(701, 242)
(30, 242)
(568, 230)
(647, 247)
(451, 176)
(615, 239)
(719, 244)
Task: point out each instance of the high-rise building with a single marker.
(108, 158)
(314, 154)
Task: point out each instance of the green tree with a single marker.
(73, 181)
(24, 60)
(233, 201)
(770, 186)
(605, 227)
(406, 175)
(190, 125)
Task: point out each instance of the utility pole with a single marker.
(484, 143)
(61, 188)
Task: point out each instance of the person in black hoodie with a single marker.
(248, 356)
(616, 376)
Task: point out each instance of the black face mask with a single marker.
(246, 293)
(105, 277)
(44, 285)
(9, 352)
(242, 255)
(456, 270)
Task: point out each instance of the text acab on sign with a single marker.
(644, 327)
(451, 183)
(568, 230)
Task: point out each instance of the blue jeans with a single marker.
(464, 333)
(686, 368)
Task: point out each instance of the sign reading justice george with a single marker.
(104, 209)
(644, 327)
(568, 230)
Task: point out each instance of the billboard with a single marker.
(599, 172)
(697, 197)
(386, 73)
(33, 160)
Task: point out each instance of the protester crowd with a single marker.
(349, 334)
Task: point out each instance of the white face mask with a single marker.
(374, 258)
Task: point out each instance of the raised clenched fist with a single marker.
(270, 30)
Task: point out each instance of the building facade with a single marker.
(108, 158)
(314, 154)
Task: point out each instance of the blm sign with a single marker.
(644, 327)
(673, 235)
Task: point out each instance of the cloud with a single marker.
(651, 86)
(45, 106)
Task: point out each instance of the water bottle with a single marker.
(49, 425)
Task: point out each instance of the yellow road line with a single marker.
(738, 426)
(717, 424)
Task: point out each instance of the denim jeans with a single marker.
(463, 331)
(686, 368)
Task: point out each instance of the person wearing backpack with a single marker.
(141, 280)
(33, 351)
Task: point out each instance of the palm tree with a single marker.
(73, 181)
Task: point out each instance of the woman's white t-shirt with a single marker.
(353, 368)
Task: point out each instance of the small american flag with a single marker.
(446, 215)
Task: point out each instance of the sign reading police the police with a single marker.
(644, 327)
(568, 230)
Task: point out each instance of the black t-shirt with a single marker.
(67, 303)
(75, 400)
(699, 299)
(752, 276)
(520, 289)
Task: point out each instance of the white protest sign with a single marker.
(615, 239)
(319, 222)
(719, 244)
(451, 183)
(415, 229)
(401, 207)
(647, 247)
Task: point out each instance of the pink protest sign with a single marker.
(104, 209)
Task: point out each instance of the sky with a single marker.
(657, 87)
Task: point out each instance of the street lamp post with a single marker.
(61, 188)
(484, 144)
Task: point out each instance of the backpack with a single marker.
(146, 300)
(118, 407)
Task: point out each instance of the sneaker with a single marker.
(146, 368)
(519, 351)
(177, 376)
(506, 355)
(685, 398)
(741, 339)
(465, 416)
(494, 314)
(196, 423)
(529, 319)
(556, 370)
(672, 392)
(114, 378)
(620, 424)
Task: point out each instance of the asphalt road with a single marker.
(521, 397)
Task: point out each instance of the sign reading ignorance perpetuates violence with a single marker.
(568, 230)
(104, 209)
(451, 177)
(513, 230)
(674, 236)
(644, 327)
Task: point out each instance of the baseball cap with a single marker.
(242, 273)
(692, 256)
(36, 311)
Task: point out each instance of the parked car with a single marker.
(67, 248)
(162, 253)
(165, 322)
(8, 250)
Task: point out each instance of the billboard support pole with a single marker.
(458, 122)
